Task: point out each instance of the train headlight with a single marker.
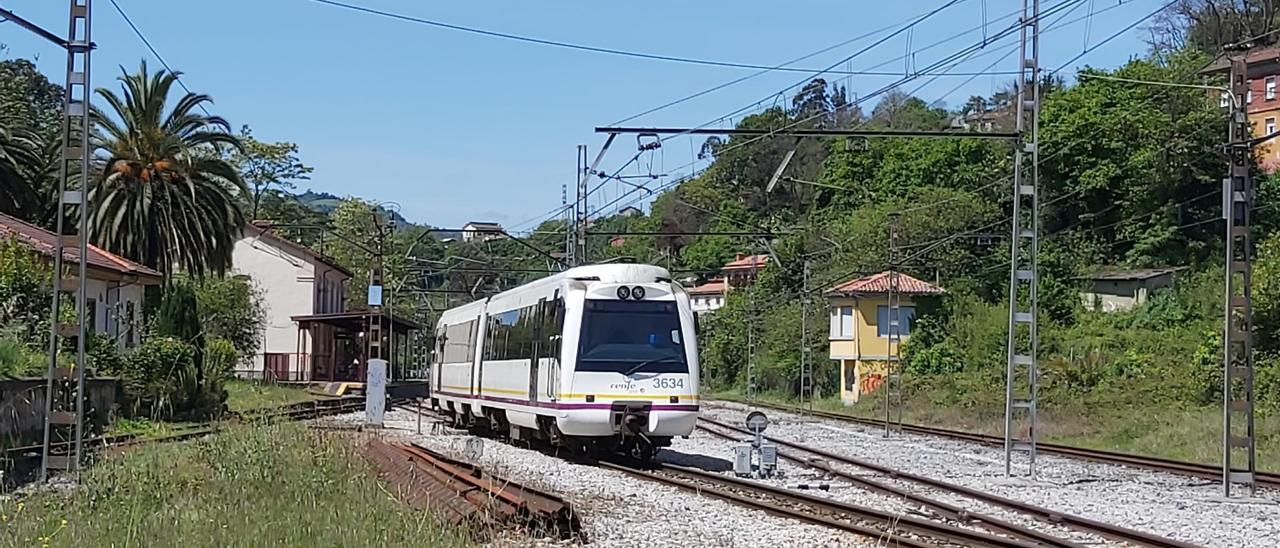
(624, 292)
(637, 293)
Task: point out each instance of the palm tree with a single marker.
(167, 198)
(19, 154)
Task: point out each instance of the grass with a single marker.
(1190, 434)
(245, 395)
(275, 484)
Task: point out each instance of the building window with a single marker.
(1269, 126)
(907, 313)
(842, 322)
(1270, 88)
(1248, 95)
(129, 339)
(1224, 100)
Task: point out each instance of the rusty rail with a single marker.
(461, 492)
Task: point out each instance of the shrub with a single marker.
(103, 355)
(232, 308)
(17, 359)
(153, 374)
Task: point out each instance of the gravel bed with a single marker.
(1178, 507)
(619, 510)
(702, 449)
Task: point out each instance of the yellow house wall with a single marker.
(863, 360)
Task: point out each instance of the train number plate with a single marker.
(668, 382)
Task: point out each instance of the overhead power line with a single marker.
(176, 75)
(607, 50)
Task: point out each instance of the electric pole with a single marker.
(1237, 346)
(580, 212)
(65, 419)
(893, 373)
(806, 360)
(1024, 248)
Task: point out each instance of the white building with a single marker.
(478, 230)
(1119, 290)
(296, 281)
(114, 285)
(707, 297)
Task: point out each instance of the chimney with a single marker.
(738, 256)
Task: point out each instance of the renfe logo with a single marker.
(628, 386)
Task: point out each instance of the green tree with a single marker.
(232, 309)
(265, 167)
(18, 153)
(166, 199)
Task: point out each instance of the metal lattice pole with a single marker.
(1238, 371)
(73, 198)
(751, 334)
(581, 214)
(893, 374)
(1020, 372)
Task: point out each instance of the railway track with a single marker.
(890, 528)
(795, 452)
(1193, 469)
(461, 492)
(897, 529)
(30, 454)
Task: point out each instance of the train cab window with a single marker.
(631, 337)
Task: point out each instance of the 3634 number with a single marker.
(668, 382)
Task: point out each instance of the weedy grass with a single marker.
(274, 484)
(245, 395)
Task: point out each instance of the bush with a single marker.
(17, 359)
(103, 355)
(162, 381)
(232, 308)
(152, 376)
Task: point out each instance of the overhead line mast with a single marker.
(1024, 247)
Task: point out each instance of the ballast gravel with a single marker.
(1178, 507)
(620, 510)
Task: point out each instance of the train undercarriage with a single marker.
(628, 420)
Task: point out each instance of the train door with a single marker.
(552, 325)
(535, 356)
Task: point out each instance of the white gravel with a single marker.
(619, 510)
(1178, 507)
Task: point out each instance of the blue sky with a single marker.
(457, 127)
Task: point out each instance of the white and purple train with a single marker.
(596, 358)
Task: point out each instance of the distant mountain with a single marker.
(326, 203)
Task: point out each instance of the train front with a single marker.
(635, 365)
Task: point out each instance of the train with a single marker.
(597, 358)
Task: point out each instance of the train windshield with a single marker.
(631, 337)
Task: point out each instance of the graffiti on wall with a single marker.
(870, 376)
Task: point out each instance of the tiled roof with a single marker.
(262, 230)
(45, 242)
(713, 287)
(1136, 274)
(746, 261)
(879, 283)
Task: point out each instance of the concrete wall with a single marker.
(288, 285)
(22, 406)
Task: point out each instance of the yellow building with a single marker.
(860, 328)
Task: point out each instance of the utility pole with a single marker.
(59, 421)
(751, 333)
(1024, 248)
(568, 217)
(893, 372)
(1238, 371)
(806, 360)
(580, 212)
